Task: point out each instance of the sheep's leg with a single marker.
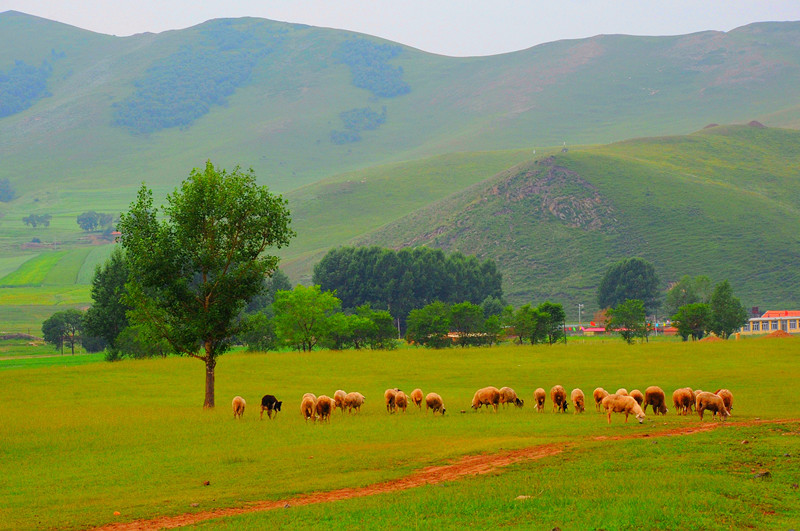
(609, 416)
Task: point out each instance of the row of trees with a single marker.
(34, 220)
(401, 281)
(721, 314)
(92, 220)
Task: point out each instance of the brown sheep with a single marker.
(324, 408)
(637, 395)
(486, 396)
(238, 406)
(727, 399)
(578, 400)
(559, 398)
(599, 394)
(354, 401)
(711, 402)
(509, 396)
(539, 396)
(654, 396)
(338, 399)
(434, 401)
(683, 400)
(417, 397)
(389, 396)
(622, 391)
(623, 404)
(401, 401)
(307, 406)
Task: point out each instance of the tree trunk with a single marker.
(211, 363)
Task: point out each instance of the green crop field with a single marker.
(83, 442)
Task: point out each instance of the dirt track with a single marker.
(471, 465)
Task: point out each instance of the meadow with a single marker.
(83, 442)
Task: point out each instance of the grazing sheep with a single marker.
(578, 400)
(401, 401)
(270, 403)
(637, 395)
(727, 399)
(599, 394)
(389, 396)
(622, 391)
(654, 396)
(354, 401)
(486, 396)
(509, 396)
(434, 401)
(623, 404)
(324, 408)
(559, 398)
(417, 397)
(539, 397)
(307, 406)
(338, 399)
(711, 402)
(238, 406)
(683, 400)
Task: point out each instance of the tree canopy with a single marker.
(629, 319)
(193, 271)
(628, 279)
(688, 290)
(727, 313)
(63, 328)
(400, 281)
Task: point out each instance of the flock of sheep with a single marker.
(634, 403)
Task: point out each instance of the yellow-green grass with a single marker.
(700, 481)
(82, 442)
(33, 271)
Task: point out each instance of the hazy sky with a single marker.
(450, 27)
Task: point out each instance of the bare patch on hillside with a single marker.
(558, 192)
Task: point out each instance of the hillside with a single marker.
(723, 202)
(298, 103)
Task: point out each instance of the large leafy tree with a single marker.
(688, 290)
(193, 271)
(554, 317)
(467, 321)
(727, 313)
(429, 325)
(303, 316)
(629, 319)
(106, 318)
(629, 279)
(692, 320)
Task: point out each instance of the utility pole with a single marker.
(580, 307)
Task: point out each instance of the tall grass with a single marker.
(82, 442)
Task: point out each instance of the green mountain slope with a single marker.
(300, 103)
(724, 202)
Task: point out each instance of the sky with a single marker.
(447, 27)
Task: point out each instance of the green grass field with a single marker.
(82, 442)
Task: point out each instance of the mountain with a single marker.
(300, 103)
(377, 143)
(723, 202)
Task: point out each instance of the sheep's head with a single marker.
(640, 417)
(443, 410)
(278, 405)
(520, 402)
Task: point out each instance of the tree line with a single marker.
(629, 293)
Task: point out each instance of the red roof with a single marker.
(781, 313)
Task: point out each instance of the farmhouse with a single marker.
(786, 320)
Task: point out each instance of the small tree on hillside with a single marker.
(88, 221)
(629, 319)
